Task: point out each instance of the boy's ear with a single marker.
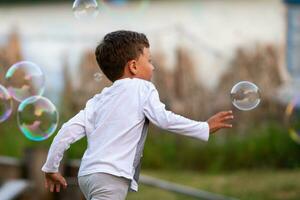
(132, 67)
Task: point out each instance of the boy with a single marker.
(115, 122)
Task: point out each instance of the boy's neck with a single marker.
(125, 76)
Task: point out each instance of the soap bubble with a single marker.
(245, 95)
(98, 77)
(25, 79)
(292, 115)
(116, 7)
(37, 118)
(5, 104)
(85, 9)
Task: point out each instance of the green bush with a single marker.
(263, 146)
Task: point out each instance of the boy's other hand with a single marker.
(54, 181)
(220, 120)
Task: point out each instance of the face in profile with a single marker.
(144, 66)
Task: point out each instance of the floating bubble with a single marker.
(85, 9)
(116, 7)
(114, 3)
(245, 95)
(37, 118)
(25, 79)
(5, 104)
(98, 77)
(292, 115)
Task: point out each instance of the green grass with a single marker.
(244, 185)
(267, 151)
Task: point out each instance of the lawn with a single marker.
(248, 185)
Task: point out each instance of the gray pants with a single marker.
(102, 186)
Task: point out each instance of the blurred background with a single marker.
(201, 49)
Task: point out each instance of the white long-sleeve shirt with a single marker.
(113, 121)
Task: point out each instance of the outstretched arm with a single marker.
(70, 132)
(155, 111)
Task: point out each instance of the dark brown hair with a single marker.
(116, 49)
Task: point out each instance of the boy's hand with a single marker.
(53, 181)
(219, 121)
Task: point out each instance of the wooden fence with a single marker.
(24, 180)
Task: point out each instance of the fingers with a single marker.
(57, 187)
(52, 185)
(220, 120)
(55, 183)
(63, 182)
(228, 117)
(225, 115)
(46, 184)
(226, 126)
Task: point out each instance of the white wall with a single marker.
(212, 30)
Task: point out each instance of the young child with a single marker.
(115, 122)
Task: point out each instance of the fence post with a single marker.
(11, 167)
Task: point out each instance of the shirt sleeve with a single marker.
(71, 131)
(155, 111)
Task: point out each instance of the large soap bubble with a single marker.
(85, 9)
(37, 118)
(25, 79)
(245, 95)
